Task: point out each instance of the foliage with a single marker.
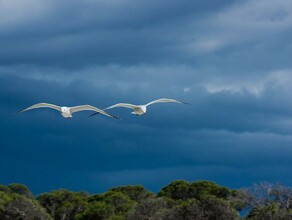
(119, 201)
(217, 209)
(21, 190)
(203, 189)
(200, 190)
(178, 189)
(269, 201)
(150, 208)
(63, 204)
(96, 211)
(16, 206)
(135, 193)
(179, 200)
(185, 210)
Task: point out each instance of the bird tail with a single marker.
(95, 113)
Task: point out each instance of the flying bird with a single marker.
(67, 112)
(141, 109)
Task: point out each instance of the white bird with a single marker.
(141, 109)
(67, 112)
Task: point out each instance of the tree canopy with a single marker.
(179, 200)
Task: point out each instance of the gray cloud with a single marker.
(90, 32)
(229, 60)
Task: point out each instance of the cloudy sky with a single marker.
(230, 59)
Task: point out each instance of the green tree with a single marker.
(270, 211)
(150, 209)
(135, 193)
(121, 202)
(178, 189)
(63, 204)
(5, 189)
(21, 190)
(96, 211)
(218, 209)
(202, 189)
(183, 190)
(185, 210)
(15, 206)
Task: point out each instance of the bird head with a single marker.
(63, 109)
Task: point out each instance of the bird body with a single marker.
(139, 110)
(67, 112)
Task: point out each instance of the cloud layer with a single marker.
(229, 60)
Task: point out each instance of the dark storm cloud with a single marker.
(200, 33)
(90, 32)
(236, 130)
(229, 60)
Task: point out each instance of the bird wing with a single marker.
(41, 105)
(165, 100)
(125, 105)
(90, 108)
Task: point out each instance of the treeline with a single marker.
(180, 200)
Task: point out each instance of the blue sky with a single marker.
(230, 59)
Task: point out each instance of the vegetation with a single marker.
(179, 200)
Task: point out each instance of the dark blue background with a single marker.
(230, 59)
